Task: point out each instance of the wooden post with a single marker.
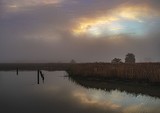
(17, 71)
(37, 76)
(42, 76)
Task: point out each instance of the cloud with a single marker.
(16, 6)
(111, 20)
(29, 3)
(92, 101)
(45, 33)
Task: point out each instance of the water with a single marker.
(59, 94)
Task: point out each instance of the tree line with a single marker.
(130, 58)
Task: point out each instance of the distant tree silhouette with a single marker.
(130, 58)
(72, 61)
(116, 61)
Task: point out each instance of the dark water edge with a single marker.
(131, 87)
(34, 66)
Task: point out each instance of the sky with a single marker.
(84, 30)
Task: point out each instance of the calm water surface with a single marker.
(58, 94)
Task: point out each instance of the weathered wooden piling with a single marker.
(37, 76)
(17, 71)
(42, 76)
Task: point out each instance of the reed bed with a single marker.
(143, 72)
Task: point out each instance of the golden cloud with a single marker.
(133, 13)
(85, 24)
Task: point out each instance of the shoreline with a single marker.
(123, 86)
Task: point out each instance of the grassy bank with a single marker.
(142, 72)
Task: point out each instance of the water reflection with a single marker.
(22, 94)
(119, 102)
(133, 88)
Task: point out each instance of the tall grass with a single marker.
(148, 72)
